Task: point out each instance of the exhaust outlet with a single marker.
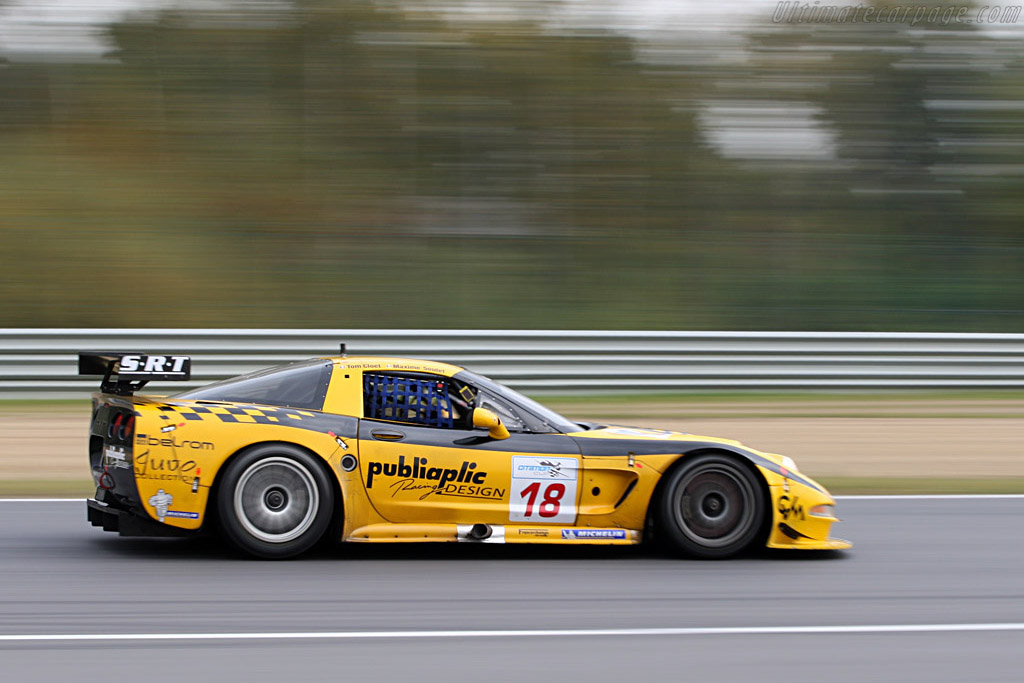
(479, 532)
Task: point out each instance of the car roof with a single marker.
(393, 364)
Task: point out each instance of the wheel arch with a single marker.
(650, 531)
(210, 515)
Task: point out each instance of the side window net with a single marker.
(407, 399)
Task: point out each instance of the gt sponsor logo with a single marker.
(166, 469)
(791, 508)
(420, 469)
(637, 432)
(171, 442)
(470, 491)
(542, 533)
(138, 364)
(546, 469)
(115, 456)
(182, 515)
(581, 534)
(160, 501)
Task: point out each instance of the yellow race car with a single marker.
(395, 450)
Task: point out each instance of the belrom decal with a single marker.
(171, 442)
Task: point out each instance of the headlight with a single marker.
(823, 511)
(789, 464)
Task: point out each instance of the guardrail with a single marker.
(42, 363)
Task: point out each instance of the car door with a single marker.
(423, 462)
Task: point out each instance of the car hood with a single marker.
(646, 434)
(649, 440)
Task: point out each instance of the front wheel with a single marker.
(711, 507)
(275, 501)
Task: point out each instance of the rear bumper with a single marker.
(126, 524)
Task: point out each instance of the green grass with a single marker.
(23, 404)
(43, 488)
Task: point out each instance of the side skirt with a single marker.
(493, 533)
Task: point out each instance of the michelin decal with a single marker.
(590, 534)
(161, 502)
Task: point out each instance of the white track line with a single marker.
(42, 500)
(540, 633)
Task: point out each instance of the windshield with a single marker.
(298, 385)
(546, 415)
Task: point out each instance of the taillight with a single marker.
(115, 426)
(121, 427)
(127, 428)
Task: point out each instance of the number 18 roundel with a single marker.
(543, 490)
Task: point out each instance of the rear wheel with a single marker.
(275, 501)
(711, 507)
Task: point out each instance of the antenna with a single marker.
(342, 345)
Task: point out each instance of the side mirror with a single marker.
(488, 420)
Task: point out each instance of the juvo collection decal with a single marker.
(166, 469)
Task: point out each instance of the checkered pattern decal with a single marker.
(269, 415)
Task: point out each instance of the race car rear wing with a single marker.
(126, 373)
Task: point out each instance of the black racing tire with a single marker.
(275, 501)
(712, 506)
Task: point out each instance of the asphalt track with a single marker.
(932, 591)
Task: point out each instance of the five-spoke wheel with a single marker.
(275, 501)
(711, 506)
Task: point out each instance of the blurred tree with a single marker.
(364, 164)
(907, 239)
